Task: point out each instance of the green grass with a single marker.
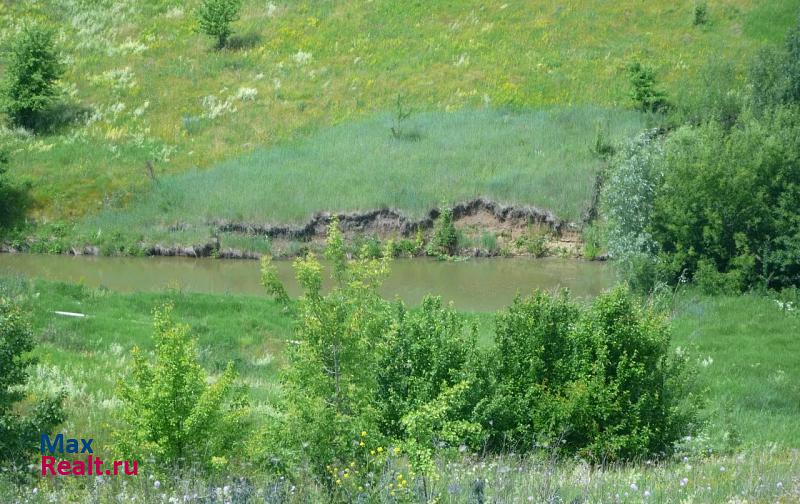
(150, 78)
(540, 157)
(752, 391)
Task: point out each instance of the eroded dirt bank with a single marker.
(488, 228)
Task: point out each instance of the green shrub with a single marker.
(331, 377)
(31, 74)
(21, 423)
(700, 13)
(600, 382)
(428, 350)
(592, 241)
(731, 198)
(215, 18)
(444, 242)
(171, 412)
(645, 94)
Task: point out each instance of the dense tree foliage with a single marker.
(19, 433)
(717, 201)
(171, 412)
(31, 75)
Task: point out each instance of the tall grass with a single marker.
(542, 158)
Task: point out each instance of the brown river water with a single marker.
(473, 285)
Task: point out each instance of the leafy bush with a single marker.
(645, 94)
(628, 201)
(31, 74)
(215, 18)
(731, 198)
(700, 13)
(427, 351)
(171, 411)
(600, 381)
(774, 75)
(444, 242)
(331, 378)
(19, 434)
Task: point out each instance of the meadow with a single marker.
(146, 87)
(741, 347)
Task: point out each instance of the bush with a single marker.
(31, 74)
(171, 411)
(600, 382)
(331, 378)
(700, 13)
(215, 18)
(427, 351)
(627, 203)
(444, 242)
(731, 198)
(645, 94)
(19, 434)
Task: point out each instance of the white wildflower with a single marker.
(138, 111)
(246, 94)
(271, 8)
(174, 13)
(302, 57)
(214, 107)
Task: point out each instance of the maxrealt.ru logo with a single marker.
(91, 466)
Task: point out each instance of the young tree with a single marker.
(32, 72)
(171, 411)
(216, 16)
(19, 435)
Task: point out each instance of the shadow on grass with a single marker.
(245, 41)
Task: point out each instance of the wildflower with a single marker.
(380, 449)
(647, 493)
(779, 485)
(226, 490)
(634, 487)
(361, 443)
(301, 57)
(397, 450)
(36, 490)
(363, 433)
(684, 481)
(722, 469)
(157, 484)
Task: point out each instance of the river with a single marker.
(473, 285)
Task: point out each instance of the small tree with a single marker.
(216, 16)
(32, 72)
(19, 435)
(648, 98)
(171, 411)
(445, 237)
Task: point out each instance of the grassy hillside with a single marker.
(153, 89)
(542, 157)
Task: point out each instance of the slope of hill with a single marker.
(151, 89)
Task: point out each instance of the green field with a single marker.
(741, 346)
(156, 91)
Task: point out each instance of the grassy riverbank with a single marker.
(743, 348)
